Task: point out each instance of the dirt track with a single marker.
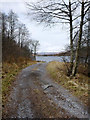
(35, 95)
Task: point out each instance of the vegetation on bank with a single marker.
(67, 12)
(16, 39)
(77, 85)
(17, 50)
(9, 73)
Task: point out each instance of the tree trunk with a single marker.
(89, 43)
(71, 39)
(19, 36)
(87, 50)
(35, 52)
(3, 26)
(74, 71)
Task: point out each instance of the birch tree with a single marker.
(55, 11)
(12, 24)
(35, 44)
(60, 11)
(84, 9)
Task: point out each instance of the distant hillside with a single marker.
(54, 53)
(63, 53)
(83, 53)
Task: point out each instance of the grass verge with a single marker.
(78, 85)
(9, 73)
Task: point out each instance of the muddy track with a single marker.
(35, 95)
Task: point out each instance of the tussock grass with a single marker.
(9, 73)
(78, 85)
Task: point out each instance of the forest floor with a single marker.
(35, 95)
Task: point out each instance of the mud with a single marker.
(35, 95)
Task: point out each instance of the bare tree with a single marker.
(35, 45)
(53, 12)
(12, 24)
(60, 11)
(85, 43)
(83, 13)
(0, 38)
(23, 35)
(14, 32)
(4, 25)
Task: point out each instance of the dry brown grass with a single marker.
(9, 73)
(77, 85)
(83, 69)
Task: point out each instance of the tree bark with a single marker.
(89, 43)
(19, 34)
(74, 71)
(3, 26)
(71, 38)
(87, 50)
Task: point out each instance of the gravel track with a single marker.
(33, 89)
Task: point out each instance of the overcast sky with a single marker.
(51, 39)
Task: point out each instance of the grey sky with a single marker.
(51, 39)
